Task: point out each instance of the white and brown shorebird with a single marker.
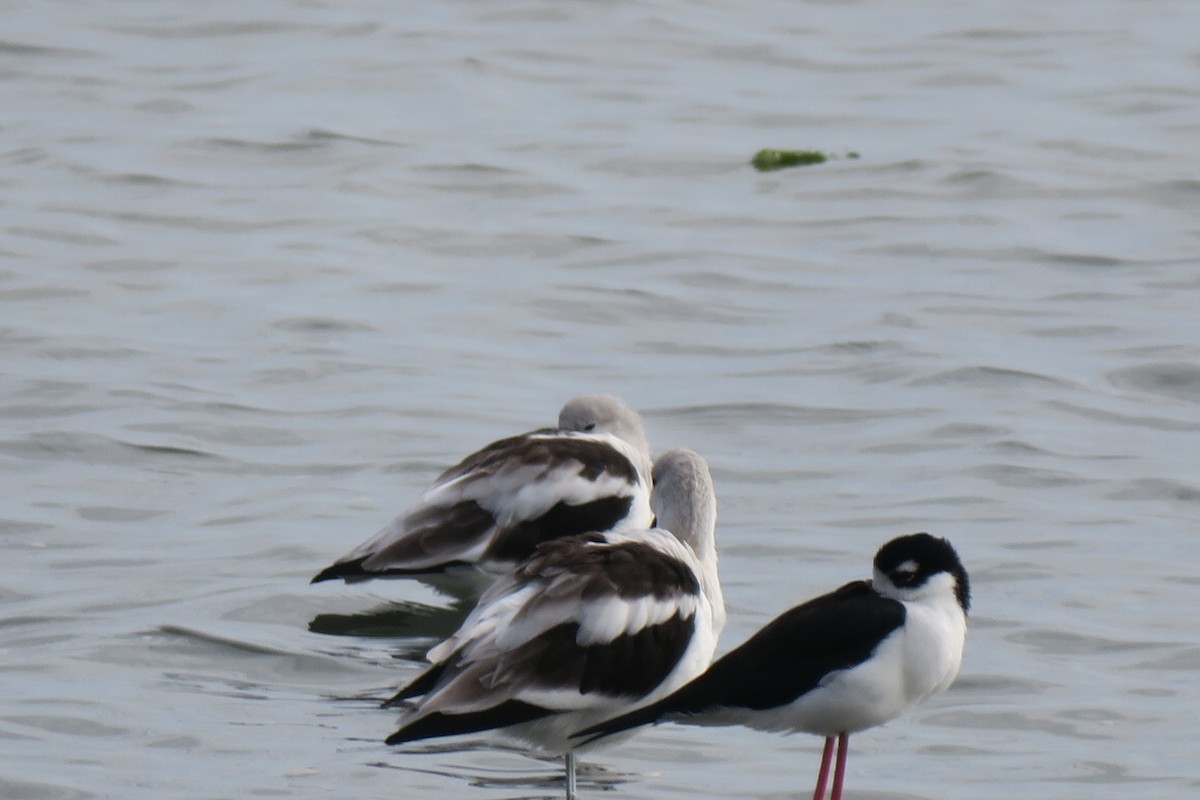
(838, 664)
(489, 511)
(589, 626)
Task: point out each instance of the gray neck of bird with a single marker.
(692, 521)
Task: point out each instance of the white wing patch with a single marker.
(610, 617)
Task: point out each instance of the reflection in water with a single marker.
(519, 775)
(399, 619)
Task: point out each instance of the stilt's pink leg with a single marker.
(839, 772)
(823, 775)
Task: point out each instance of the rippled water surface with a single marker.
(266, 268)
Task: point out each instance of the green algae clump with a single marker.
(769, 159)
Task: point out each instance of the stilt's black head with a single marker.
(910, 562)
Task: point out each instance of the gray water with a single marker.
(265, 268)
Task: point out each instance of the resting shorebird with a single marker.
(838, 664)
(492, 509)
(587, 627)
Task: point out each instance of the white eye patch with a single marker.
(909, 567)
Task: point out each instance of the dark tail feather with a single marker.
(510, 712)
(347, 570)
(420, 685)
(651, 714)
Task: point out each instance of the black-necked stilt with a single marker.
(838, 664)
(485, 514)
(589, 625)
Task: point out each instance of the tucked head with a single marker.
(919, 565)
(604, 413)
(683, 499)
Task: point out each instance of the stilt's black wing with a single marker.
(781, 662)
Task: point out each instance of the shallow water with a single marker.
(265, 269)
